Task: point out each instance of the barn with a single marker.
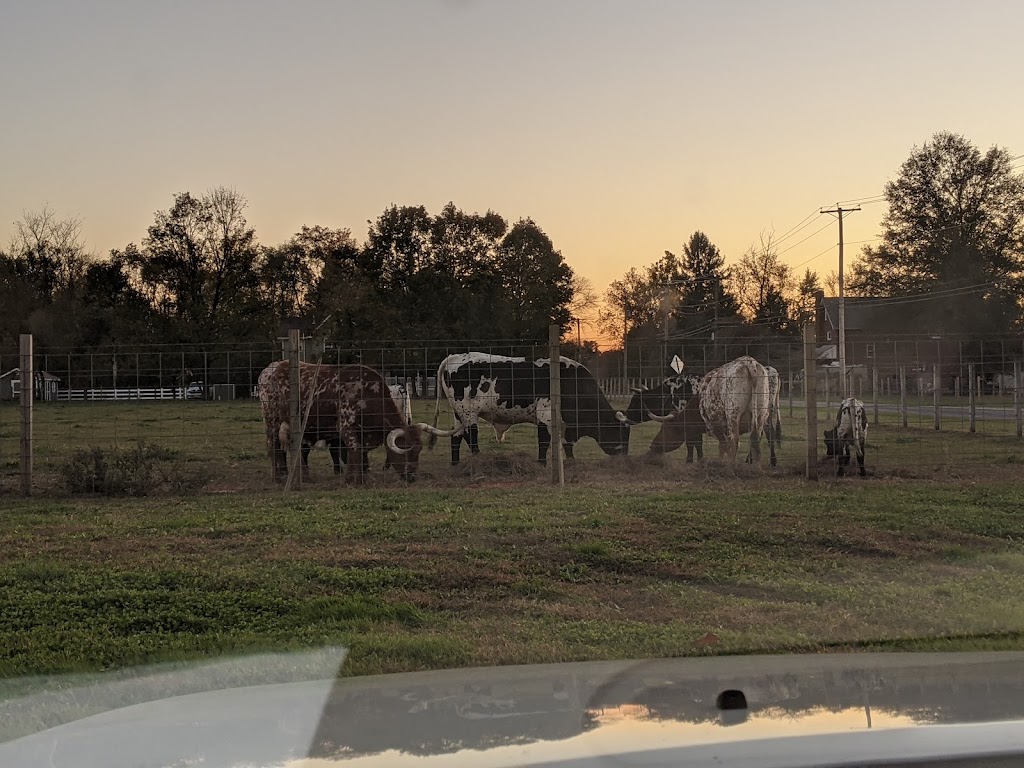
(46, 385)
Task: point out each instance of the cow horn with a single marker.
(432, 430)
(622, 417)
(392, 441)
(637, 390)
(655, 417)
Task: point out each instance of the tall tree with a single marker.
(199, 265)
(537, 284)
(763, 283)
(631, 306)
(705, 294)
(806, 292)
(955, 221)
(49, 252)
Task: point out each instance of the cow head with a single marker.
(403, 451)
(405, 443)
(832, 442)
(664, 399)
(614, 438)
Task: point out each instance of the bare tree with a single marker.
(49, 251)
(764, 284)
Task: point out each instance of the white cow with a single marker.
(851, 429)
(735, 398)
(403, 400)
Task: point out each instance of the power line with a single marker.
(794, 245)
(807, 261)
(804, 223)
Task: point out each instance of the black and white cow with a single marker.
(851, 429)
(668, 397)
(512, 390)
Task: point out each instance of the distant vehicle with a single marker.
(195, 391)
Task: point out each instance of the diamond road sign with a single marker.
(677, 364)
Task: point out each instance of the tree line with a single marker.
(954, 230)
(201, 276)
(951, 247)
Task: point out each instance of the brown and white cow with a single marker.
(736, 398)
(347, 405)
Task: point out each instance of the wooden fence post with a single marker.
(557, 459)
(295, 414)
(27, 380)
(811, 402)
(791, 392)
(874, 390)
(936, 396)
(971, 400)
(903, 396)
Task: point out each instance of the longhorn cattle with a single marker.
(851, 429)
(734, 399)
(512, 390)
(348, 405)
(668, 397)
(684, 427)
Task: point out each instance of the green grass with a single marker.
(227, 439)
(435, 578)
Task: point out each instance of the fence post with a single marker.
(557, 461)
(903, 396)
(791, 391)
(970, 395)
(936, 394)
(811, 402)
(27, 379)
(828, 398)
(874, 390)
(294, 413)
(1017, 398)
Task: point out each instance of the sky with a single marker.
(619, 127)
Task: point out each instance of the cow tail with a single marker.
(437, 406)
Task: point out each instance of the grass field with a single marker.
(226, 440)
(430, 578)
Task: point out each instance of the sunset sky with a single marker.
(619, 127)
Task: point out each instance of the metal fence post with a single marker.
(874, 390)
(936, 396)
(1017, 398)
(971, 401)
(791, 391)
(26, 397)
(903, 396)
(555, 391)
(810, 403)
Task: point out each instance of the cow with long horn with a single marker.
(345, 405)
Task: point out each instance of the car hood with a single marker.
(800, 710)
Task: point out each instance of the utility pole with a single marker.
(665, 293)
(839, 211)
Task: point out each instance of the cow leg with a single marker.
(336, 450)
(543, 443)
(354, 467)
(842, 458)
(568, 449)
(755, 446)
(306, 448)
(860, 458)
(473, 438)
(772, 442)
(699, 445)
(278, 459)
(456, 442)
(689, 453)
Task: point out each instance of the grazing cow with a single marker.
(775, 417)
(511, 390)
(349, 404)
(668, 397)
(684, 427)
(851, 429)
(734, 399)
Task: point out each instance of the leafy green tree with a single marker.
(955, 221)
(704, 295)
(806, 292)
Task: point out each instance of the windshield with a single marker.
(466, 334)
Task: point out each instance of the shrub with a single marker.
(141, 470)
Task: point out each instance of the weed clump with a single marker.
(142, 470)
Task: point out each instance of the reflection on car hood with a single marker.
(801, 710)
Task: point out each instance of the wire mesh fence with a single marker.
(935, 407)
